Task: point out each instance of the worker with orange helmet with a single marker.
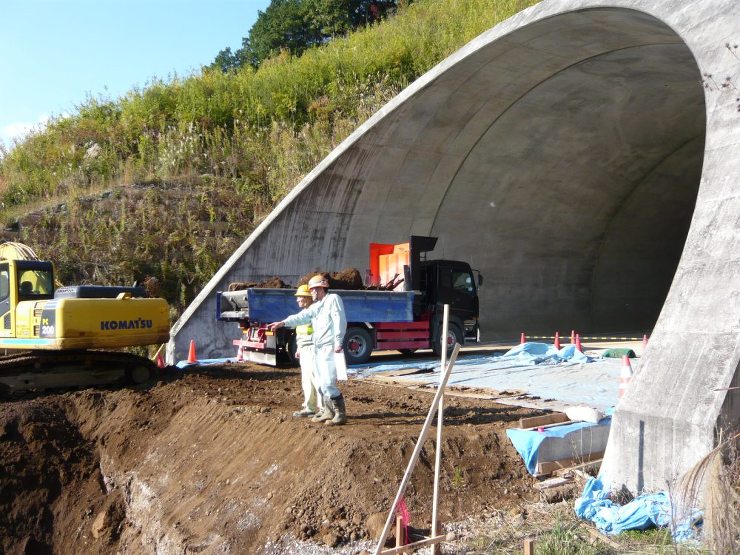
(304, 353)
(326, 316)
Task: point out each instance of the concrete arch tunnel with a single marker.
(583, 157)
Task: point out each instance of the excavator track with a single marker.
(40, 370)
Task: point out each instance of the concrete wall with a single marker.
(582, 156)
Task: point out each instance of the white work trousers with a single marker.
(327, 370)
(309, 379)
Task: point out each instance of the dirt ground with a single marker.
(211, 461)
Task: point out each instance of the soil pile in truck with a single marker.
(348, 279)
(272, 283)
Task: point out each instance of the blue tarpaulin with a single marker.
(538, 353)
(204, 362)
(564, 377)
(644, 511)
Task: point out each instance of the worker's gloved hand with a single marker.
(338, 349)
(275, 325)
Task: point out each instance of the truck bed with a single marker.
(272, 305)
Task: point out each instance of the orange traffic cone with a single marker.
(191, 353)
(160, 361)
(522, 339)
(557, 340)
(578, 342)
(625, 375)
(572, 337)
(644, 342)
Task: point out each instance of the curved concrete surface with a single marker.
(584, 158)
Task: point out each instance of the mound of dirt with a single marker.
(272, 283)
(51, 488)
(348, 279)
(211, 460)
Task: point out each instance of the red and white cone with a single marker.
(625, 375)
(522, 339)
(160, 361)
(557, 340)
(578, 342)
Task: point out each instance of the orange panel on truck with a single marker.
(389, 265)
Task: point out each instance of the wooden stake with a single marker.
(417, 449)
(529, 546)
(411, 546)
(440, 420)
(399, 532)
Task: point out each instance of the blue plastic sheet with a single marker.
(527, 442)
(204, 362)
(644, 511)
(538, 353)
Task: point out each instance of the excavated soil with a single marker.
(211, 461)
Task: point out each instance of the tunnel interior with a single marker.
(562, 160)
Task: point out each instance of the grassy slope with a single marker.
(168, 180)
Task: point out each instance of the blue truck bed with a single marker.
(271, 305)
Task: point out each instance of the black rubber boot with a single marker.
(340, 413)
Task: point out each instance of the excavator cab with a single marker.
(22, 280)
(35, 282)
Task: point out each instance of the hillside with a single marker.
(166, 181)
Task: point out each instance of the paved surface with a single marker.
(583, 156)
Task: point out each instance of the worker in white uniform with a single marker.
(304, 353)
(326, 316)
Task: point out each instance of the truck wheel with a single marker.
(454, 335)
(358, 345)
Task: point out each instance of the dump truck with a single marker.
(58, 336)
(406, 318)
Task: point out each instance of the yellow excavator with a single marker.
(55, 336)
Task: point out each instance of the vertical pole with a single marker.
(440, 419)
(417, 449)
(399, 532)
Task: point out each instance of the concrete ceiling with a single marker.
(567, 176)
(584, 159)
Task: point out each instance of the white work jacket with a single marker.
(327, 319)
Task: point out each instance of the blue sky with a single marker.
(56, 53)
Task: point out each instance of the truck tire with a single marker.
(454, 335)
(358, 345)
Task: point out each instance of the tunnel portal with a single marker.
(582, 157)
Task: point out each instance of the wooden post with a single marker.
(417, 449)
(440, 419)
(528, 546)
(399, 532)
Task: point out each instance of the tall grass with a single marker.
(254, 133)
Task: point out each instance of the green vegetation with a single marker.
(555, 530)
(236, 141)
(296, 25)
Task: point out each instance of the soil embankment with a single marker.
(212, 461)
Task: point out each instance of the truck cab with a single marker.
(449, 282)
